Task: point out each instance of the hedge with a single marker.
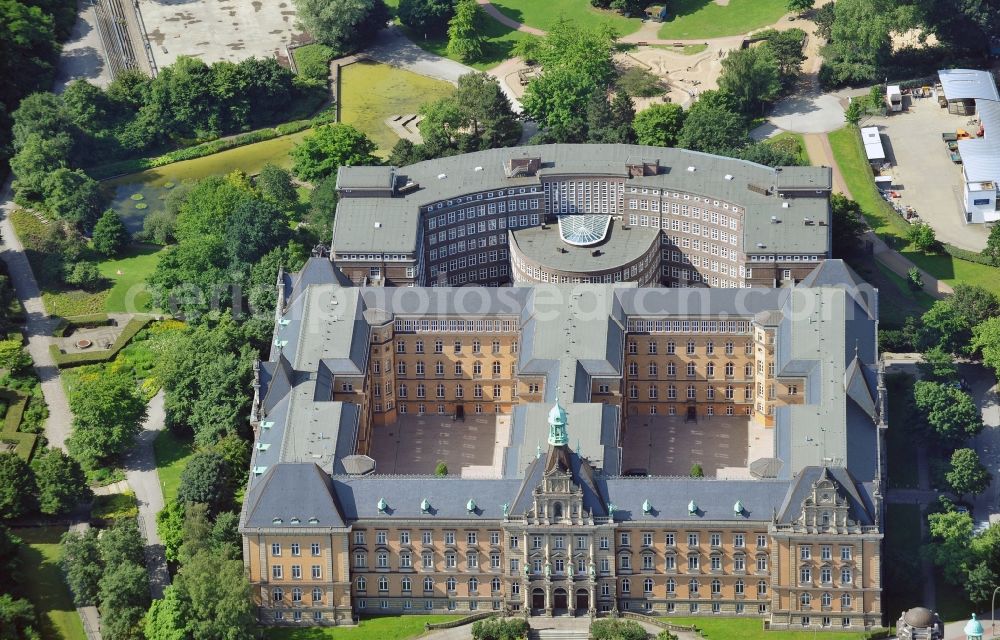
(68, 325)
(63, 360)
(450, 624)
(24, 443)
(134, 165)
(115, 506)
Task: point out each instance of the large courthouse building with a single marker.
(570, 407)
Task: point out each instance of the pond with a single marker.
(370, 93)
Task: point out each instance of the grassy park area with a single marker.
(380, 628)
(500, 41)
(43, 584)
(696, 19)
(847, 151)
(172, 455)
(543, 15)
(751, 628)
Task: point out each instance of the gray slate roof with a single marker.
(289, 491)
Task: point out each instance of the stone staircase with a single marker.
(581, 633)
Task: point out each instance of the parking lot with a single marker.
(669, 445)
(214, 30)
(923, 174)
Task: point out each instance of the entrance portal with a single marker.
(582, 599)
(537, 599)
(560, 600)
(692, 414)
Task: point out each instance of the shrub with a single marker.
(639, 82)
(85, 275)
(697, 471)
(617, 629)
(313, 61)
(500, 629)
(441, 469)
(914, 279)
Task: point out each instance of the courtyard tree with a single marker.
(110, 236)
(659, 124)
(123, 592)
(751, 76)
(345, 25)
(107, 415)
(949, 412)
(938, 366)
(17, 486)
(949, 322)
(465, 31)
(951, 532)
(330, 147)
(61, 482)
(966, 474)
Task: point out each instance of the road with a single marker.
(38, 327)
(140, 471)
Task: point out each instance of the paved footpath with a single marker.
(38, 327)
(140, 471)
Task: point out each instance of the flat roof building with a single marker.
(720, 222)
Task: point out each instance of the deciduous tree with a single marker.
(17, 486)
(751, 76)
(966, 474)
(329, 148)
(426, 17)
(206, 480)
(275, 184)
(107, 415)
(61, 482)
(659, 124)
(345, 25)
(110, 235)
(949, 412)
(465, 31)
(82, 566)
(986, 340)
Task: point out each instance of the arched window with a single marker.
(626, 586)
(805, 599)
(716, 586)
(362, 583)
(406, 584)
(730, 369)
(845, 601)
(738, 587)
(473, 585)
(825, 599)
(647, 585)
(317, 595)
(439, 368)
(428, 584)
(477, 368)
(761, 588)
(383, 583)
(826, 519)
(557, 510)
(452, 584)
(440, 390)
(277, 594)
(710, 369)
(671, 585)
(693, 586)
(297, 594)
(495, 585)
(496, 367)
(845, 575)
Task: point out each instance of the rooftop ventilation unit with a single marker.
(478, 169)
(785, 205)
(761, 245)
(442, 176)
(691, 169)
(729, 177)
(807, 220)
(774, 220)
(378, 225)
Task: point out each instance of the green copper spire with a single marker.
(558, 437)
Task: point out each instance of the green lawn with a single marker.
(128, 293)
(752, 628)
(499, 42)
(172, 454)
(847, 151)
(383, 628)
(44, 586)
(692, 19)
(542, 14)
(900, 441)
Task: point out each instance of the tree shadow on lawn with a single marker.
(42, 581)
(680, 8)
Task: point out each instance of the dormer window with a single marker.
(826, 518)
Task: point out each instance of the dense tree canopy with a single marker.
(949, 412)
(476, 117)
(17, 486)
(465, 31)
(752, 77)
(659, 124)
(110, 235)
(966, 474)
(330, 147)
(345, 25)
(426, 17)
(61, 482)
(712, 127)
(206, 480)
(107, 414)
(847, 225)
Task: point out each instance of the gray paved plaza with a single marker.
(669, 445)
(415, 444)
(219, 30)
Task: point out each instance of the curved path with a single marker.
(38, 327)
